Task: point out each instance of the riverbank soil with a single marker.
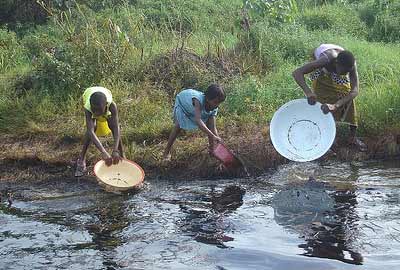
(52, 158)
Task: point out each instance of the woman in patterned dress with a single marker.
(334, 83)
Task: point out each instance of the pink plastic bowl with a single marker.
(222, 153)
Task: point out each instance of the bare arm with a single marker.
(115, 124)
(200, 123)
(213, 126)
(92, 134)
(354, 84)
(300, 72)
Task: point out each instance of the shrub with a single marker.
(342, 20)
(276, 11)
(12, 53)
(383, 20)
(21, 11)
(258, 98)
(275, 45)
(186, 17)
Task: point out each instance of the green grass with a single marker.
(146, 51)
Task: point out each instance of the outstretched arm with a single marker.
(200, 123)
(114, 124)
(300, 72)
(211, 125)
(354, 84)
(93, 137)
(350, 96)
(114, 120)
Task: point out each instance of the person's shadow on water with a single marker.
(206, 223)
(106, 231)
(324, 217)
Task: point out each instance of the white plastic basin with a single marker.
(302, 132)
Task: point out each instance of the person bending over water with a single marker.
(194, 109)
(101, 116)
(334, 83)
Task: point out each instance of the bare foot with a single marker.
(362, 147)
(80, 168)
(167, 158)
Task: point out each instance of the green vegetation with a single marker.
(145, 51)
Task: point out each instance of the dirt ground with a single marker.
(51, 158)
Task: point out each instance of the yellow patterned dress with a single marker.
(329, 88)
(102, 128)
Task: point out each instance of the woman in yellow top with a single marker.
(101, 116)
(335, 84)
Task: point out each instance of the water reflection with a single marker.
(205, 219)
(93, 222)
(335, 240)
(110, 219)
(323, 216)
(349, 214)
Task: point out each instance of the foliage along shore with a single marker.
(147, 51)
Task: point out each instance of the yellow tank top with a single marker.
(88, 93)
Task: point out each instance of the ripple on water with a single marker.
(349, 216)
